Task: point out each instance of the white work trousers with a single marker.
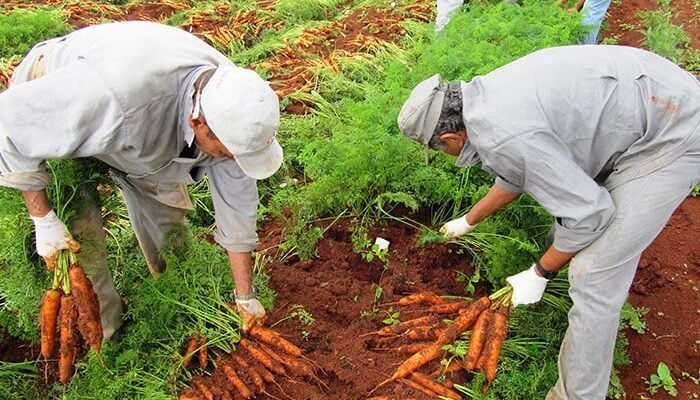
(154, 210)
(601, 274)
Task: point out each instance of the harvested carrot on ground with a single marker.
(417, 298)
(477, 340)
(192, 345)
(410, 348)
(254, 375)
(203, 389)
(226, 395)
(464, 321)
(203, 356)
(89, 321)
(274, 339)
(495, 342)
(423, 333)
(428, 354)
(237, 383)
(262, 357)
(418, 387)
(268, 378)
(189, 395)
(50, 306)
(401, 327)
(68, 341)
(453, 367)
(448, 308)
(435, 387)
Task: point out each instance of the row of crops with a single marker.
(343, 68)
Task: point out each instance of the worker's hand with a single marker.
(52, 236)
(252, 313)
(528, 287)
(456, 228)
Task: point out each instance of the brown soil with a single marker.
(624, 24)
(338, 289)
(363, 31)
(667, 282)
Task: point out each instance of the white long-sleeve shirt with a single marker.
(121, 93)
(568, 124)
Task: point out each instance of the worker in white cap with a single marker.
(162, 109)
(607, 140)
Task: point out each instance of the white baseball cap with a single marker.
(243, 112)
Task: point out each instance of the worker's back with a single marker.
(618, 112)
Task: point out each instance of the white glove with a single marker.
(251, 311)
(52, 236)
(528, 287)
(456, 228)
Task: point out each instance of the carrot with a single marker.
(268, 378)
(89, 321)
(226, 395)
(391, 398)
(203, 356)
(274, 339)
(191, 348)
(69, 345)
(428, 354)
(424, 297)
(252, 373)
(477, 340)
(419, 387)
(397, 329)
(440, 390)
(262, 357)
(422, 333)
(410, 348)
(451, 368)
(237, 382)
(482, 360)
(464, 321)
(448, 308)
(50, 306)
(494, 343)
(204, 389)
(189, 395)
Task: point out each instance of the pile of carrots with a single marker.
(487, 317)
(68, 307)
(259, 359)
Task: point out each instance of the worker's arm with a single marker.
(235, 198)
(495, 199)
(583, 209)
(37, 202)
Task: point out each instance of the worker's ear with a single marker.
(453, 142)
(196, 123)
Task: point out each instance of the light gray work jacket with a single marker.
(122, 93)
(568, 124)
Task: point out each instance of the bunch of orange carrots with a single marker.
(487, 317)
(68, 307)
(259, 358)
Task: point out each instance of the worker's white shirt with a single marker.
(121, 92)
(568, 124)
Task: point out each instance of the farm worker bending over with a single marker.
(605, 138)
(162, 109)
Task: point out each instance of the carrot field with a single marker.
(342, 69)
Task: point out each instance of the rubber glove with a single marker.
(528, 287)
(456, 228)
(52, 236)
(446, 9)
(251, 311)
